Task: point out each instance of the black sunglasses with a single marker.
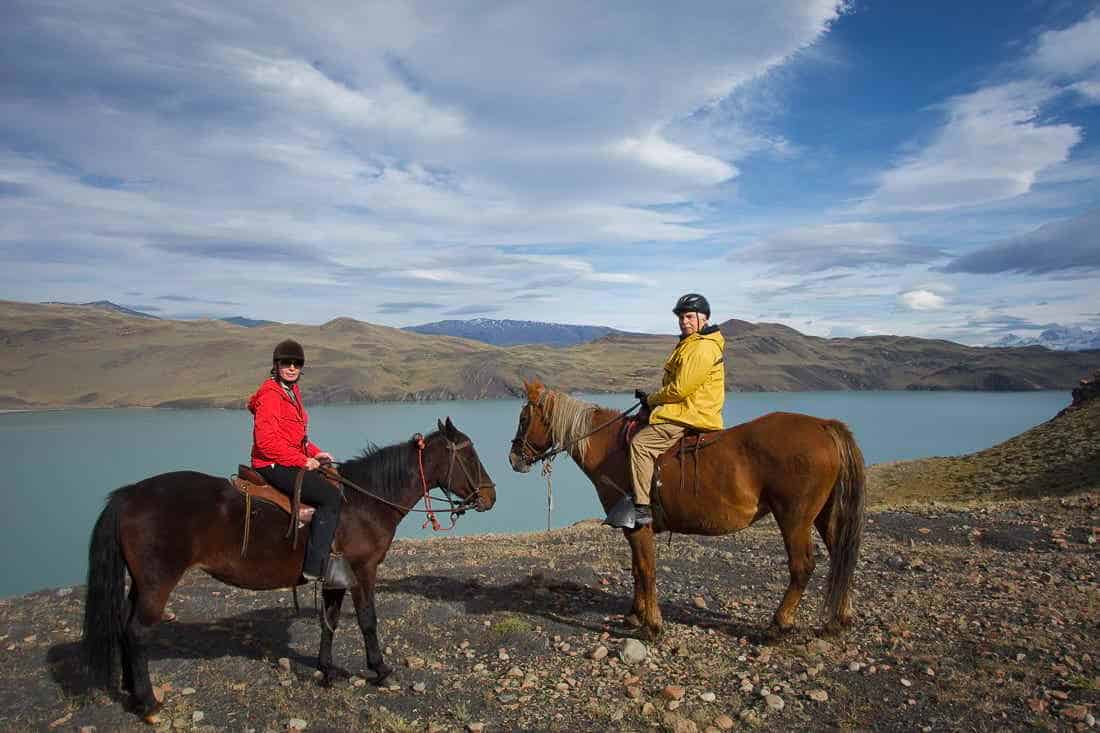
(291, 363)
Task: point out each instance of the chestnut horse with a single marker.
(805, 471)
(160, 527)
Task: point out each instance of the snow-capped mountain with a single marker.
(507, 332)
(1061, 338)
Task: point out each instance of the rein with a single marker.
(547, 456)
(554, 450)
(457, 508)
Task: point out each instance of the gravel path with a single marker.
(970, 618)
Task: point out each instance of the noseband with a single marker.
(471, 500)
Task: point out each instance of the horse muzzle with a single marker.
(519, 463)
(486, 498)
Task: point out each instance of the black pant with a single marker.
(321, 495)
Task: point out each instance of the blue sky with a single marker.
(928, 169)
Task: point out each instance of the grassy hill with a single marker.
(1056, 458)
(61, 355)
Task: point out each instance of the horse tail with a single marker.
(104, 603)
(849, 501)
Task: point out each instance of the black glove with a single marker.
(642, 397)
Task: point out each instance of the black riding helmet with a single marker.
(692, 303)
(288, 349)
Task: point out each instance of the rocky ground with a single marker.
(977, 596)
(980, 618)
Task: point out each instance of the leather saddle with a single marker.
(692, 442)
(248, 481)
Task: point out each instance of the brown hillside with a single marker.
(57, 355)
(1056, 458)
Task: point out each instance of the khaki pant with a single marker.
(650, 442)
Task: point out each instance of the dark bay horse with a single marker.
(805, 471)
(160, 527)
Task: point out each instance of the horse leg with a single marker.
(800, 561)
(846, 615)
(644, 561)
(146, 608)
(637, 607)
(332, 599)
(363, 595)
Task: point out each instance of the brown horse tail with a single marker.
(845, 524)
(104, 603)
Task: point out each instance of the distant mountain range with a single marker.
(507, 332)
(1062, 338)
(63, 355)
(115, 307)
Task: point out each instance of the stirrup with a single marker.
(621, 515)
(338, 574)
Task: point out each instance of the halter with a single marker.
(457, 507)
(527, 451)
(553, 451)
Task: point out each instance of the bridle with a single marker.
(528, 452)
(457, 506)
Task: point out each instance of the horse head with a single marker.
(452, 464)
(533, 436)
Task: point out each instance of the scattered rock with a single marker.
(633, 652)
(599, 653)
(774, 702)
(673, 692)
(818, 695)
(723, 722)
(475, 727)
(297, 724)
(699, 602)
(419, 687)
(284, 664)
(197, 716)
(708, 697)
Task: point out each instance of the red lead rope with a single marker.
(431, 519)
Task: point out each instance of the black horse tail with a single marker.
(849, 501)
(104, 604)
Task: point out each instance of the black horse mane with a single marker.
(384, 470)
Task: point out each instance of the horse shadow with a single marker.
(566, 603)
(260, 634)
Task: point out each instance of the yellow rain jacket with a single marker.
(693, 388)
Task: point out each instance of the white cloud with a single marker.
(656, 152)
(991, 148)
(813, 248)
(389, 105)
(1071, 51)
(922, 300)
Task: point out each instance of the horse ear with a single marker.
(534, 389)
(450, 425)
(439, 423)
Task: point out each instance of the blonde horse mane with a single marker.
(569, 419)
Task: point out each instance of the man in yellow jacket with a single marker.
(693, 390)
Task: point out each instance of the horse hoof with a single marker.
(148, 711)
(382, 674)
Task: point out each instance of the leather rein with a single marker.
(457, 507)
(551, 452)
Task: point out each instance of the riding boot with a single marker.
(338, 574)
(621, 516)
(642, 515)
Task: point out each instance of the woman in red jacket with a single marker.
(281, 447)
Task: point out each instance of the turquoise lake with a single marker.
(64, 462)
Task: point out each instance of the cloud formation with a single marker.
(841, 245)
(1059, 246)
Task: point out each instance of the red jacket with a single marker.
(279, 435)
